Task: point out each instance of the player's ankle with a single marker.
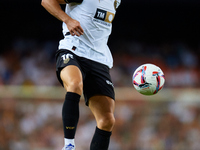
(69, 141)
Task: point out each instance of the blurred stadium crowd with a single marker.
(35, 124)
(29, 62)
(140, 125)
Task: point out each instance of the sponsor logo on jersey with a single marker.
(104, 17)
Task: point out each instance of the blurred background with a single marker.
(165, 33)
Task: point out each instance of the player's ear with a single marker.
(73, 1)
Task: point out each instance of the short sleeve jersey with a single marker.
(95, 17)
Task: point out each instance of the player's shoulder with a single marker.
(101, 3)
(117, 3)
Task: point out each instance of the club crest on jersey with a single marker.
(103, 17)
(117, 3)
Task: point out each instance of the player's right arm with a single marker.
(53, 7)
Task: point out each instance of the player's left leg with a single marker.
(103, 109)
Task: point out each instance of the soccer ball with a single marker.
(148, 79)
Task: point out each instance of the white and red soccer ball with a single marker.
(148, 79)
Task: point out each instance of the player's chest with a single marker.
(107, 5)
(103, 10)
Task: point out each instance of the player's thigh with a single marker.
(71, 77)
(103, 109)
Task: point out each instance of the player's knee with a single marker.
(75, 86)
(107, 123)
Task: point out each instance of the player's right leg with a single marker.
(72, 81)
(70, 77)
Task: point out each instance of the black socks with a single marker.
(70, 114)
(100, 140)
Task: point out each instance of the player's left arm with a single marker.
(61, 1)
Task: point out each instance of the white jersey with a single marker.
(95, 17)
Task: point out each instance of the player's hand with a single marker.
(74, 27)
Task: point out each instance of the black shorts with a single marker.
(96, 77)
